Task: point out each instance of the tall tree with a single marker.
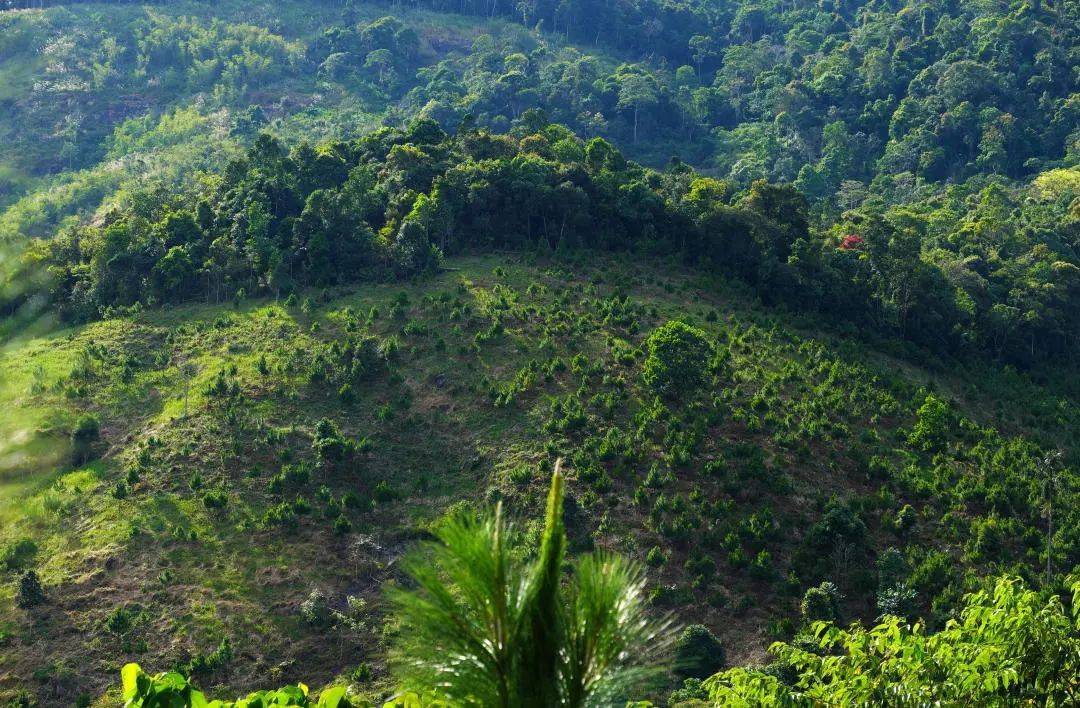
(636, 92)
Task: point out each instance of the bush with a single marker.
(384, 493)
(761, 568)
(329, 445)
(361, 674)
(691, 692)
(838, 524)
(988, 540)
(86, 432)
(700, 566)
(656, 557)
(315, 610)
(141, 690)
(698, 653)
(678, 358)
(905, 519)
(891, 567)
(342, 526)
(209, 663)
(121, 490)
(899, 601)
(215, 500)
(932, 428)
(119, 621)
(30, 593)
(1009, 645)
(821, 603)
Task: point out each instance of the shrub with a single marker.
(384, 492)
(761, 567)
(328, 443)
(891, 567)
(701, 566)
(671, 596)
(119, 621)
(174, 689)
(656, 557)
(215, 500)
(361, 674)
(342, 526)
(988, 539)
(520, 475)
(86, 432)
(899, 601)
(678, 358)
(691, 692)
(209, 663)
(315, 610)
(905, 519)
(821, 603)
(30, 593)
(931, 430)
(1009, 645)
(839, 523)
(698, 653)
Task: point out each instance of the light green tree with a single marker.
(1010, 646)
(636, 92)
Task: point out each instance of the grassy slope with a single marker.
(190, 575)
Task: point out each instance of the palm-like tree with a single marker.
(484, 628)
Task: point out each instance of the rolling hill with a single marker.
(796, 462)
(792, 288)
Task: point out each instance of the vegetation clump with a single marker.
(1009, 644)
(29, 593)
(84, 436)
(698, 653)
(678, 358)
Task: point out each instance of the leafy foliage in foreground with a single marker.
(173, 690)
(1009, 646)
(487, 629)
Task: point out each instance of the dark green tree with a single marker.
(678, 358)
(698, 653)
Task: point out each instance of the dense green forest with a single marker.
(394, 201)
(301, 303)
(953, 153)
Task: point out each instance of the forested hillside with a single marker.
(957, 127)
(287, 290)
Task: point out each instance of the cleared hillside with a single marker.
(794, 463)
